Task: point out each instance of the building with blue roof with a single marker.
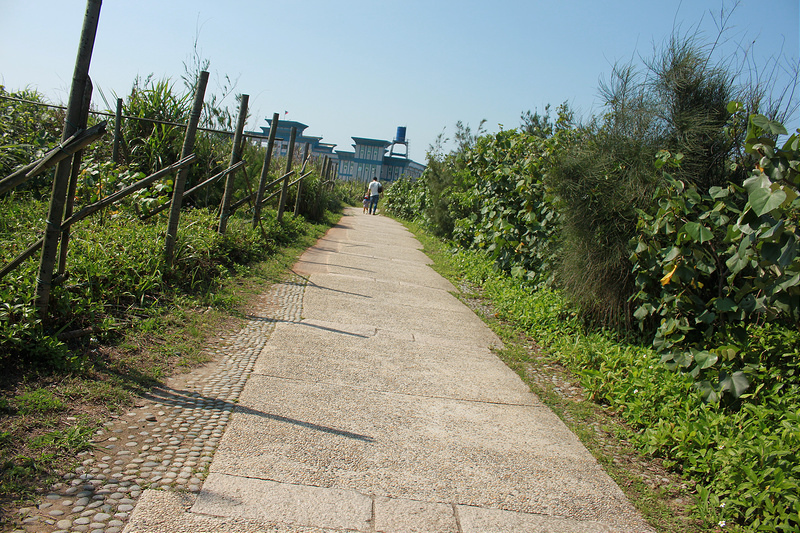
(368, 159)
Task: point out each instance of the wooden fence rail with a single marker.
(253, 195)
(65, 149)
(278, 191)
(105, 202)
(131, 117)
(130, 189)
(194, 189)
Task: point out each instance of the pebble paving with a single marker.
(168, 441)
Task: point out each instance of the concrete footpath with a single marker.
(382, 408)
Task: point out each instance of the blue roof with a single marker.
(371, 142)
(289, 124)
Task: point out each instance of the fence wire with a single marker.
(128, 117)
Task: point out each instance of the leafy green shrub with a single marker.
(154, 138)
(516, 221)
(316, 198)
(27, 131)
(490, 194)
(405, 198)
(709, 264)
(605, 178)
(446, 191)
(100, 179)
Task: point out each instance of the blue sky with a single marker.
(363, 67)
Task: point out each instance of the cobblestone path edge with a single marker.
(169, 440)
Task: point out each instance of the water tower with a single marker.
(400, 139)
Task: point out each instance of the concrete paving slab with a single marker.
(482, 520)
(161, 511)
(428, 449)
(413, 292)
(346, 239)
(297, 505)
(374, 269)
(370, 358)
(409, 516)
(443, 321)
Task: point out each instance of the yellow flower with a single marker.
(666, 279)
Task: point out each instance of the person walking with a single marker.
(375, 189)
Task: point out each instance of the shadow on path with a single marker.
(309, 282)
(186, 399)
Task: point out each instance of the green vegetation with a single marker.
(652, 251)
(27, 130)
(54, 393)
(119, 321)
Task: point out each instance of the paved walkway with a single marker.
(363, 397)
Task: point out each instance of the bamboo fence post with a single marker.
(117, 132)
(236, 156)
(285, 188)
(306, 148)
(73, 185)
(323, 175)
(273, 129)
(61, 180)
(322, 169)
(180, 180)
(320, 185)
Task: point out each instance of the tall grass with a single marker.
(151, 145)
(604, 178)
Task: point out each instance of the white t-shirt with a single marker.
(373, 188)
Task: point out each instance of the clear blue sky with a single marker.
(363, 67)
